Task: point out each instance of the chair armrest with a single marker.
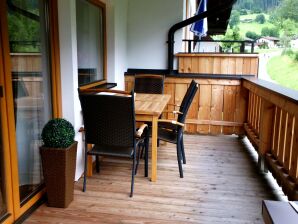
(172, 111)
(140, 130)
(176, 105)
(171, 121)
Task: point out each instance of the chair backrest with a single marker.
(149, 84)
(187, 100)
(108, 119)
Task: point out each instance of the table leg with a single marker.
(154, 149)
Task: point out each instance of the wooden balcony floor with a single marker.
(221, 184)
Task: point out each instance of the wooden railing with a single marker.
(272, 127)
(219, 107)
(214, 63)
(266, 113)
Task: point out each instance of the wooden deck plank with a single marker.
(221, 184)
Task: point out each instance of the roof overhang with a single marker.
(218, 24)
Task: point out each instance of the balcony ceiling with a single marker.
(218, 24)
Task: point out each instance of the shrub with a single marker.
(260, 19)
(252, 35)
(296, 56)
(243, 12)
(58, 133)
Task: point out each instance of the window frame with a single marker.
(101, 5)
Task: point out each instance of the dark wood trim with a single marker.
(135, 72)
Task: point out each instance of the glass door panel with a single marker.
(29, 52)
(3, 202)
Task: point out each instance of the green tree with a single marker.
(235, 19)
(288, 10)
(271, 32)
(252, 35)
(260, 19)
(232, 34)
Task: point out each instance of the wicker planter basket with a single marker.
(59, 167)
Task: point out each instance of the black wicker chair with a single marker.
(172, 130)
(149, 84)
(109, 125)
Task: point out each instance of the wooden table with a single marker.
(279, 212)
(148, 107)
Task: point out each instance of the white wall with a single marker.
(71, 108)
(117, 41)
(148, 24)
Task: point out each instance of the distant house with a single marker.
(294, 42)
(270, 41)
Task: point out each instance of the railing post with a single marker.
(266, 131)
(242, 47)
(189, 46)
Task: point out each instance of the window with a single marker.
(90, 41)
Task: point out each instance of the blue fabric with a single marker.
(200, 27)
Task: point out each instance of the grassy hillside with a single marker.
(284, 70)
(253, 26)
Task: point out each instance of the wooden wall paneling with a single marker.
(282, 138)
(216, 108)
(203, 65)
(204, 107)
(216, 65)
(232, 66)
(195, 67)
(169, 88)
(229, 107)
(241, 108)
(239, 66)
(294, 158)
(187, 64)
(277, 125)
(129, 85)
(193, 113)
(289, 142)
(180, 90)
(224, 65)
(209, 68)
(181, 64)
(246, 66)
(254, 66)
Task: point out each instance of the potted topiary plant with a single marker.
(58, 156)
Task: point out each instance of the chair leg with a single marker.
(85, 168)
(182, 150)
(133, 173)
(146, 155)
(179, 159)
(140, 150)
(97, 163)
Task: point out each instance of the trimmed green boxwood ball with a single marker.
(58, 133)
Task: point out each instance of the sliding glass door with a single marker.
(3, 194)
(29, 93)
(29, 44)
